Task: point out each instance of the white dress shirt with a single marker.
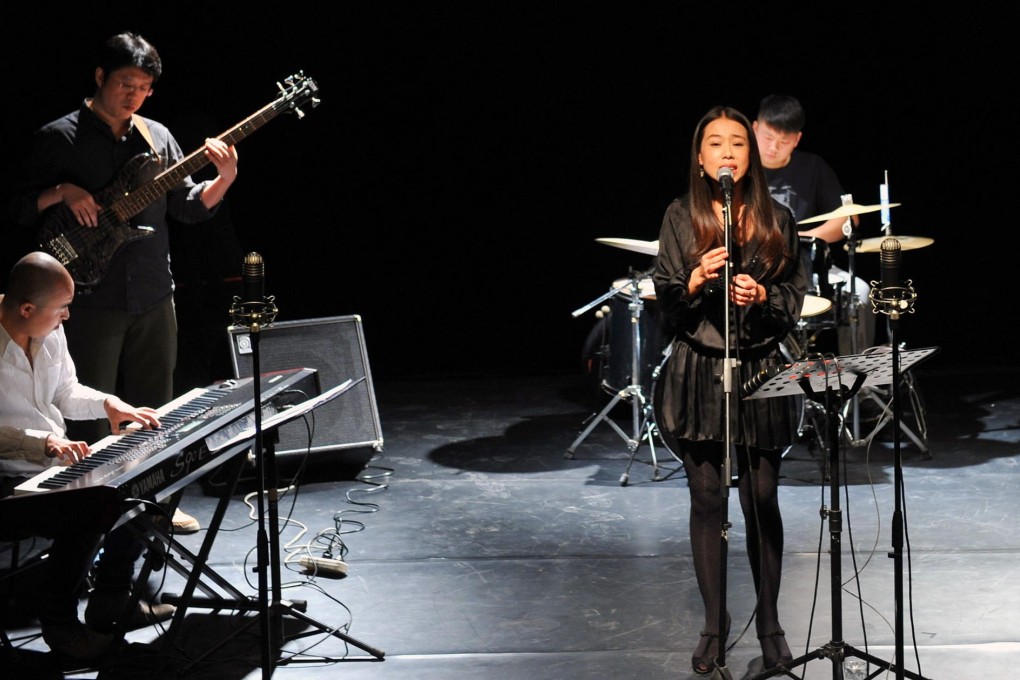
(36, 397)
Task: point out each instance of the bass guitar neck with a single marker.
(86, 252)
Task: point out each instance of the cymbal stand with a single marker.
(854, 305)
(641, 422)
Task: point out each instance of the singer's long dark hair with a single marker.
(760, 211)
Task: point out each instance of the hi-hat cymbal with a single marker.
(632, 244)
(874, 245)
(848, 211)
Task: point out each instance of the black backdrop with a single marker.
(451, 184)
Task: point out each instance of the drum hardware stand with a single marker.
(811, 419)
(854, 305)
(883, 399)
(823, 377)
(649, 431)
(641, 421)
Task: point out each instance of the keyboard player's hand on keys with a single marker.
(67, 451)
(119, 412)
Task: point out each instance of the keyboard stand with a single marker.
(195, 568)
(164, 550)
(189, 565)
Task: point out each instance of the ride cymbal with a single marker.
(632, 244)
(848, 211)
(874, 245)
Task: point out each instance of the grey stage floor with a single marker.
(475, 548)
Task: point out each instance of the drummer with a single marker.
(806, 184)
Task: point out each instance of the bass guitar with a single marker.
(86, 251)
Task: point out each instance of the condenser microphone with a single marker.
(890, 257)
(726, 181)
(253, 278)
(892, 295)
(252, 308)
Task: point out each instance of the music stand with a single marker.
(822, 381)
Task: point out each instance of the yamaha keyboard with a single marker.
(151, 465)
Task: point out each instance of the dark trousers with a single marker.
(71, 555)
(130, 355)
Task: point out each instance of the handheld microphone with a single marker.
(726, 182)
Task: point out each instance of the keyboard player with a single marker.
(40, 390)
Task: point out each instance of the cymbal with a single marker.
(632, 244)
(874, 245)
(847, 211)
(814, 305)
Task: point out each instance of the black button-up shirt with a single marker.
(80, 148)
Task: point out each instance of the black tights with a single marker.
(758, 480)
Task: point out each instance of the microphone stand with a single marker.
(720, 671)
(256, 312)
(892, 300)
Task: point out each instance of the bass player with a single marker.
(123, 337)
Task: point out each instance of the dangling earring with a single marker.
(701, 171)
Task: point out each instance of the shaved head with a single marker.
(35, 278)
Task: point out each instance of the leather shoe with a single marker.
(107, 607)
(185, 523)
(75, 640)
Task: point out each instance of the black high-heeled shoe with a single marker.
(774, 650)
(703, 659)
(705, 654)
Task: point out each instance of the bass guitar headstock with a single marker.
(296, 91)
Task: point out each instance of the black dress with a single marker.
(691, 402)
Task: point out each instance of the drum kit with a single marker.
(634, 348)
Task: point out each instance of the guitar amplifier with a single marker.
(335, 347)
